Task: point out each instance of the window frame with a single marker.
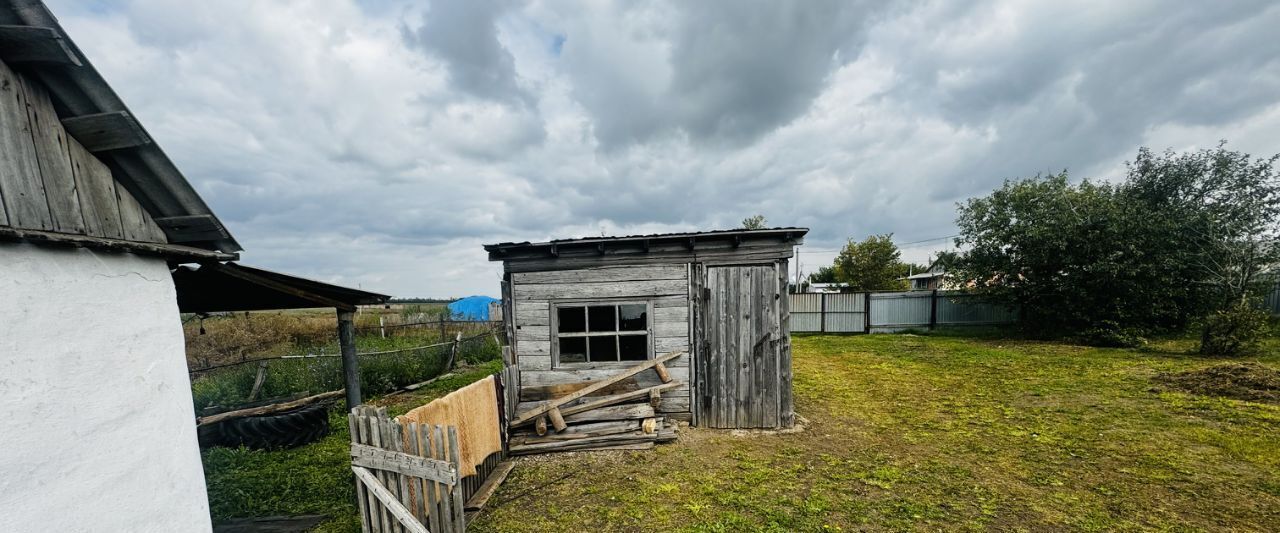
(553, 326)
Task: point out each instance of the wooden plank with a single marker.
(634, 411)
(533, 348)
(375, 440)
(191, 228)
(591, 376)
(361, 491)
(619, 289)
(534, 333)
(133, 218)
(535, 362)
(403, 463)
(604, 274)
(786, 412)
(532, 313)
(377, 514)
(97, 189)
(432, 488)
(443, 491)
(671, 314)
(459, 505)
(171, 251)
(401, 513)
(490, 486)
(597, 385)
(21, 187)
(112, 130)
(34, 44)
(54, 159)
(677, 329)
(268, 409)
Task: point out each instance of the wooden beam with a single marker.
(594, 386)
(384, 496)
(557, 420)
(32, 44)
(267, 409)
(174, 251)
(100, 132)
(192, 228)
(490, 485)
(403, 463)
(350, 362)
(321, 301)
(610, 400)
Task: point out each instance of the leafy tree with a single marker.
(1183, 237)
(826, 274)
(754, 222)
(875, 264)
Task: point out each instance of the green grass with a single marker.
(313, 479)
(940, 433)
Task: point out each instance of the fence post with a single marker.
(350, 364)
(822, 314)
(933, 309)
(382, 328)
(866, 316)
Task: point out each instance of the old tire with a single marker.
(289, 429)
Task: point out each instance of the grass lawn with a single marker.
(937, 432)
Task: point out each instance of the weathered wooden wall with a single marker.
(666, 285)
(50, 182)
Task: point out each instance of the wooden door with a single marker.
(744, 370)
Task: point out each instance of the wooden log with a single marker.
(350, 362)
(631, 437)
(268, 409)
(662, 372)
(541, 425)
(655, 398)
(583, 431)
(258, 380)
(631, 411)
(557, 421)
(551, 404)
(649, 425)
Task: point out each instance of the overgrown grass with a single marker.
(313, 479)
(934, 432)
(378, 373)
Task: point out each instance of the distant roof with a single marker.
(218, 287)
(32, 41)
(927, 275)
(498, 251)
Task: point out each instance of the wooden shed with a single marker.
(582, 310)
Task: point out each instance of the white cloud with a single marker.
(380, 144)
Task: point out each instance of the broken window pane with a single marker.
(573, 349)
(602, 318)
(604, 348)
(633, 347)
(634, 317)
(571, 319)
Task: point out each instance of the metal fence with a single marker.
(875, 312)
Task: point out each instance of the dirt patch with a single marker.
(1243, 381)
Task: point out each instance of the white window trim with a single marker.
(553, 320)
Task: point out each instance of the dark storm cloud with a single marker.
(465, 35)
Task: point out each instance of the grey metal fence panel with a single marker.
(965, 309)
(846, 313)
(806, 311)
(900, 309)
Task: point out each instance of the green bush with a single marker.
(1110, 334)
(1236, 330)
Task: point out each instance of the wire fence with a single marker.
(222, 386)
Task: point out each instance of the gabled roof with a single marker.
(32, 40)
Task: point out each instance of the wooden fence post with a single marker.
(350, 363)
(866, 312)
(933, 309)
(822, 314)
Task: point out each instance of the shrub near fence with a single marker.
(381, 370)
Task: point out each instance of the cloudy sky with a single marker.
(379, 144)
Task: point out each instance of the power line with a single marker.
(899, 244)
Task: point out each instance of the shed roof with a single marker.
(32, 40)
(218, 287)
(641, 244)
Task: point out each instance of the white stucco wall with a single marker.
(96, 426)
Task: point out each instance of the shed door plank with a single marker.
(21, 188)
(54, 158)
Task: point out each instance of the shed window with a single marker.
(602, 332)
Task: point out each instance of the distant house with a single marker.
(932, 279)
(829, 288)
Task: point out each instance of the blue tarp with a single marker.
(471, 308)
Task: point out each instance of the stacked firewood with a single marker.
(578, 422)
